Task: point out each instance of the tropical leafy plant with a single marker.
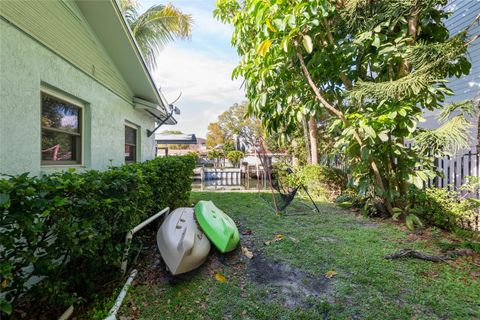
(411, 219)
(227, 147)
(235, 157)
(445, 140)
(441, 207)
(216, 155)
(371, 67)
(155, 27)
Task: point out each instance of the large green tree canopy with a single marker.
(371, 66)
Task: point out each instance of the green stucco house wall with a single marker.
(74, 89)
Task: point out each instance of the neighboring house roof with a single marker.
(162, 138)
(94, 37)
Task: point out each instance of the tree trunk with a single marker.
(312, 130)
(356, 135)
(307, 140)
(295, 161)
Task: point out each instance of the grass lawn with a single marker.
(322, 266)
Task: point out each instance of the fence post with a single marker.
(448, 173)
(470, 162)
(435, 180)
(455, 173)
(443, 172)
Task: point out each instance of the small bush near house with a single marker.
(368, 205)
(441, 208)
(322, 182)
(234, 157)
(68, 228)
(437, 207)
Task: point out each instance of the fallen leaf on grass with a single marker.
(220, 277)
(330, 274)
(247, 253)
(295, 240)
(279, 237)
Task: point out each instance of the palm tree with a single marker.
(157, 26)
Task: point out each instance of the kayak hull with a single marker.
(183, 246)
(217, 226)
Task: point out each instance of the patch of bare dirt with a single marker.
(284, 282)
(153, 270)
(289, 284)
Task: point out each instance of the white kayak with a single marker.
(182, 244)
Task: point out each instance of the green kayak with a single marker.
(218, 227)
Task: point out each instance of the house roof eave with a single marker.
(111, 28)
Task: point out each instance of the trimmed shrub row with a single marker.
(322, 182)
(68, 228)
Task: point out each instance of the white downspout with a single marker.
(112, 314)
(67, 313)
(121, 296)
(129, 236)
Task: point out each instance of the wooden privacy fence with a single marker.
(455, 171)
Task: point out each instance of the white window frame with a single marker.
(137, 141)
(77, 103)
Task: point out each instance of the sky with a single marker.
(199, 68)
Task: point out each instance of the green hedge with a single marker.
(322, 182)
(68, 228)
(442, 208)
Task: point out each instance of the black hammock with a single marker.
(282, 195)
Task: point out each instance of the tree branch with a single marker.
(346, 81)
(324, 102)
(472, 40)
(356, 135)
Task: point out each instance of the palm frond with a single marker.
(445, 140)
(468, 108)
(157, 26)
(129, 9)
